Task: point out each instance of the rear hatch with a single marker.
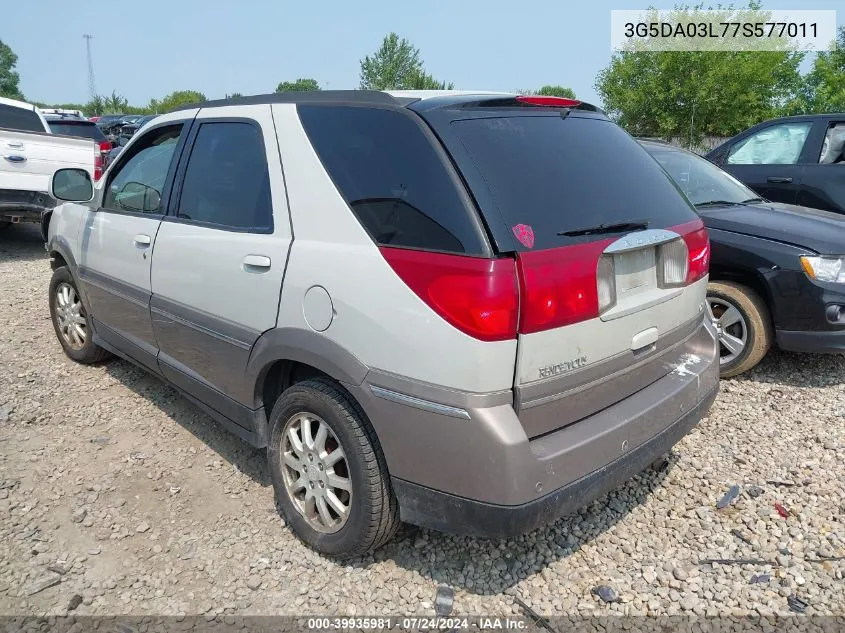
(611, 259)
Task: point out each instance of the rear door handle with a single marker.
(14, 144)
(778, 179)
(256, 263)
(142, 240)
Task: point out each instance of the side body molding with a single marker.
(303, 346)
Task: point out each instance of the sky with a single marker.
(150, 48)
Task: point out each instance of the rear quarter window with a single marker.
(558, 174)
(392, 178)
(21, 119)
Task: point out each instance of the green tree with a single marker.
(300, 85)
(95, 107)
(396, 65)
(421, 80)
(115, 104)
(557, 91)
(690, 94)
(234, 95)
(824, 89)
(9, 79)
(176, 99)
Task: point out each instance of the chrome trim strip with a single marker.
(641, 239)
(419, 403)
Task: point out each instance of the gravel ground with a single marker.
(117, 496)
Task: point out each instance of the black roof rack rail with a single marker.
(314, 96)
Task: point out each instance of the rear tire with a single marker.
(323, 455)
(72, 320)
(741, 316)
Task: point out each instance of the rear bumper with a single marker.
(449, 513)
(823, 342)
(464, 463)
(24, 206)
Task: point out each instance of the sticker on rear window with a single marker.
(525, 234)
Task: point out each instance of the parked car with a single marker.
(470, 330)
(777, 274)
(65, 125)
(31, 153)
(795, 160)
(127, 132)
(62, 112)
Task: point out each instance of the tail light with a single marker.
(105, 146)
(606, 283)
(98, 166)
(494, 299)
(559, 286)
(673, 263)
(476, 295)
(698, 246)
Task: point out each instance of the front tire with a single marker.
(743, 324)
(328, 471)
(72, 321)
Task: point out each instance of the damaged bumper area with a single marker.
(481, 475)
(24, 206)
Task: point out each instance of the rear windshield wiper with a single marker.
(607, 228)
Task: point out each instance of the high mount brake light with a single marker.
(553, 102)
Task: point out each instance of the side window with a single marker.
(138, 182)
(833, 148)
(391, 177)
(227, 183)
(776, 145)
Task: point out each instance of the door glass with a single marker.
(137, 183)
(833, 148)
(776, 145)
(227, 182)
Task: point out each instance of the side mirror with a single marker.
(72, 185)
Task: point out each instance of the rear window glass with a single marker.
(85, 130)
(392, 178)
(557, 175)
(21, 119)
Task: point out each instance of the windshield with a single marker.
(85, 130)
(698, 178)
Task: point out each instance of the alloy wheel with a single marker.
(316, 472)
(70, 314)
(731, 328)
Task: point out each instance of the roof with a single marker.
(314, 96)
(16, 104)
(434, 98)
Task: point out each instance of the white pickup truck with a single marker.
(29, 155)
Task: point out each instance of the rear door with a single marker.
(823, 184)
(220, 255)
(596, 228)
(770, 160)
